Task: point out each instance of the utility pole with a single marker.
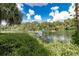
(77, 14)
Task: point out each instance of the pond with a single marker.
(62, 36)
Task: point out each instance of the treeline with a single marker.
(69, 24)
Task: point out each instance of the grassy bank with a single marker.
(20, 44)
(23, 44)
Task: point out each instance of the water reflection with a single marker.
(66, 36)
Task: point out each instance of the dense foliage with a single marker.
(75, 38)
(69, 24)
(10, 13)
(58, 48)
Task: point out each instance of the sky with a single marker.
(48, 12)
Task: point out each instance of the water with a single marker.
(65, 36)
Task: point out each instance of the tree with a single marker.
(75, 39)
(77, 14)
(10, 13)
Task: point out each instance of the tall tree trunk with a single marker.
(77, 14)
(0, 21)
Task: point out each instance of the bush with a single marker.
(75, 38)
(58, 48)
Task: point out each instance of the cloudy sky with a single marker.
(46, 11)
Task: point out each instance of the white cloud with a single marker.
(53, 13)
(31, 12)
(37, 4)
(37, 18)
(28, 16)
(72, 9)
(55, 8)
(62, 15)
(48, 20)
(20, 6)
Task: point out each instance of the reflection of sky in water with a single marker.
(56, 36)
(62, 37)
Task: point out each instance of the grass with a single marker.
(22, 44)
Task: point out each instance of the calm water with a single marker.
(65, 36)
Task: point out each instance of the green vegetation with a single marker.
(47, 27)
(21, 44)
(25, 45)
(75, 38)
(10, 13)
(68, 24)
(58, 48)
(15, 44)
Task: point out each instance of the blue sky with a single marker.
(45, 11)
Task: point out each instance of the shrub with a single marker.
(58, 48)
(75, 38)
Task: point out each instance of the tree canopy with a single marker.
(10, 13)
